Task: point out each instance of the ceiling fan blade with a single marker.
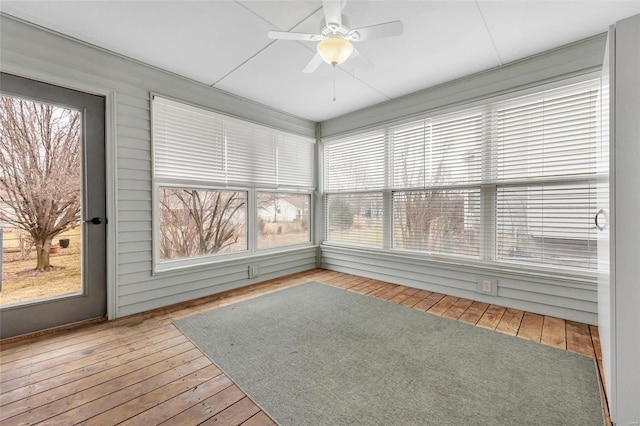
(332, 11)
(362, 63)
(388, 29)
(284, 35)
(313, 64)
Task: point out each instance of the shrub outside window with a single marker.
(355, 219)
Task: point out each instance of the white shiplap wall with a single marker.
(554, 295)
(559, 295)
(32, 52)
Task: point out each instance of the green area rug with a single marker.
(317, 355)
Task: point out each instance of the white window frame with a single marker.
(488, 191)
(251, 215)
(168, 264)
(251, 221)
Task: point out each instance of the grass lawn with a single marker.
(20, 282)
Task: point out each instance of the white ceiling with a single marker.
(224, 43)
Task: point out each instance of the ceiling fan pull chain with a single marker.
(334, 83)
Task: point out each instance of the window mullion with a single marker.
(251, 219)
(387, 219)
(488, 191)
(487, 222)
(387, 201)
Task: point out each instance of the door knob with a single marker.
(600, 224)
(95, 220)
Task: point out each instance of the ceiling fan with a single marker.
(335, 38)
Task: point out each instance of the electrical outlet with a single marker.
(254, 271)
(487, 286)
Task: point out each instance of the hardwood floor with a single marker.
(142, 370)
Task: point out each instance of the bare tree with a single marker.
(39, 170)
(195, 222)
(428, 218)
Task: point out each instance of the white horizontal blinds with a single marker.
(548, 224)
(440, 151)
(295, 162)
(354, 219)
(355, 163)
(526, 166)
(438, 221)
(199, 146)
(188, 142)
(545, 167)
(547, 135)
(455, 156)
(251, 154)
(409, 154)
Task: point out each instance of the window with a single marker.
(218, 179)
(355, 218)
(547, 224)
(432, 183)
(283, 219)
(510, 180)
(437, 221)
(200, 222)
(436, 184)
(354, 165)
(545, 166)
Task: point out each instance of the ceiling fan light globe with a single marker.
(335, 50)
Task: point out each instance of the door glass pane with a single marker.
(40, 200)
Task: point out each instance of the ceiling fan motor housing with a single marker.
(333, 29)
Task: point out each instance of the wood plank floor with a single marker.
(141, 370)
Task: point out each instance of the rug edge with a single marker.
(318, 283)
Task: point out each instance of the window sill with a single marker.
(187, 266)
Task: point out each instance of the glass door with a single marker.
(52, 206)
(602, 218)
